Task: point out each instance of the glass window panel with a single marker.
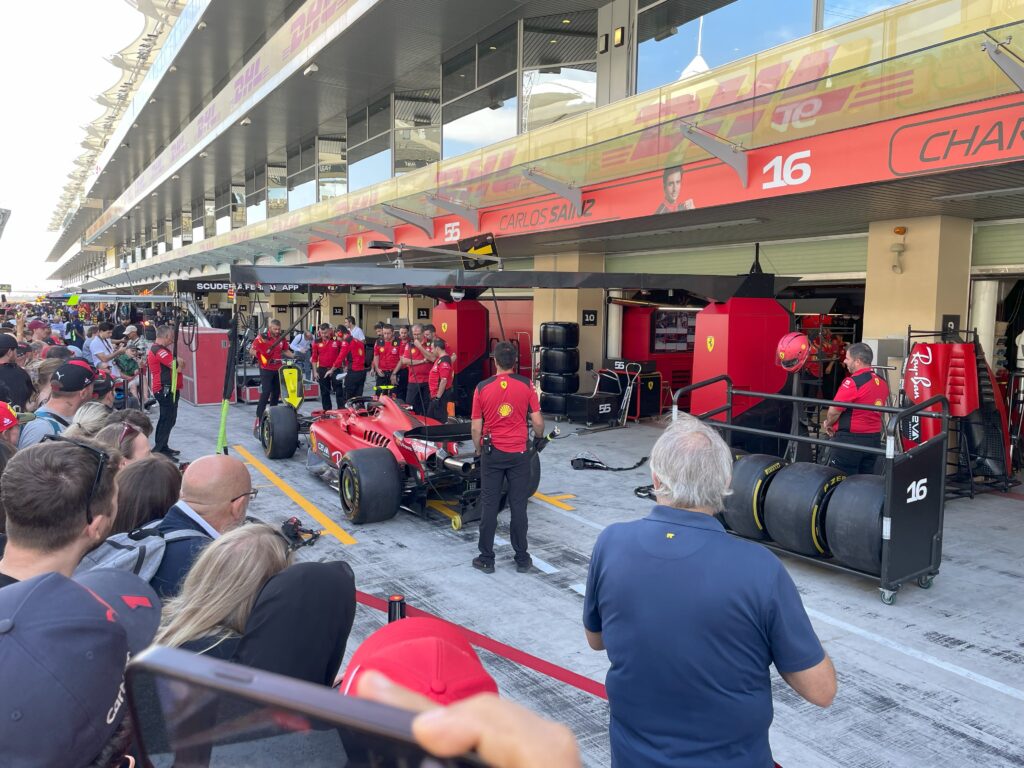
(237, 206)
(416, 147)
(369, 163)
(482, 118)
(673, 46)
(379, 117)
(255, 212)
(458, 75)
(301, 194)
(277, 190)
(332, 168)
(497, 55)
(561, 39)
(557, 93)
(357, 127)
(842, 11)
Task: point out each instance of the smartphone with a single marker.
(191, 711)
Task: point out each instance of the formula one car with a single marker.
(383, 456)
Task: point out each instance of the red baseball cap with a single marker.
(9, 417)
(426, 655)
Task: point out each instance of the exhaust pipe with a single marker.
(464, 466)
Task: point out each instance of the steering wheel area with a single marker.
(363, 404)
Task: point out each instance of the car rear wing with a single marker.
(454, 432)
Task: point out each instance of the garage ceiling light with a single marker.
(983, 195)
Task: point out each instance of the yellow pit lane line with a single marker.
(555, 500)
(329, 525)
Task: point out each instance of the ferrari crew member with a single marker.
(502, 405)
(269, 348)
(353, 358)
(429, 334)
(440, 383)
(159, 360)
(859, 427)
(326, 358)
(400, 378)
(417, 359)
(386, 356)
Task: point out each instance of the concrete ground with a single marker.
(936, 679)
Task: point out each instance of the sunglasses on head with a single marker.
(102, 459)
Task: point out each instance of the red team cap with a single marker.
(426, 655)
(792, 351)
(10, 417)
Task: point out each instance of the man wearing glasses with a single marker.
(70, 389)
(215, 494)
(60, 498)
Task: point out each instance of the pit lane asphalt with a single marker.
(936, 679)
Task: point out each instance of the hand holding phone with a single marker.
(502, 732)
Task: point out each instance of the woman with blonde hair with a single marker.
(242, 602)
(41, 371)
(210, 614)
(88, 420)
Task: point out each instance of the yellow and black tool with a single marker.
(292, 388)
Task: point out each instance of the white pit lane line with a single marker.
(540, 565)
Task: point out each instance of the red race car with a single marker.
(383, 457)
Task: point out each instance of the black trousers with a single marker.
(168, 417)
(326, 384)
(855, 462)
(401, 382)
(438, 409)
(495, 468)
(270, 391)
(354, 383)
(418, 396)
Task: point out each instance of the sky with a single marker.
(51, 56)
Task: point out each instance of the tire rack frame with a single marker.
(915, 484)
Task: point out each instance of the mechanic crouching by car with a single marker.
(386, 356)
(502, 405)
(326, 357)
(269, 348)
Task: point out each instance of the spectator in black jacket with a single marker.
(242, 602)
(215, 493)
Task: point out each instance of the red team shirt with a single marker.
(442, 369)
(327, 354)
(159, 359)
(418, 374)
(388, 354)
(505, 402)
(268, 351)
(354, 353)
(862, 388)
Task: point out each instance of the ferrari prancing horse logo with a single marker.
(444, 327)
(711, 343)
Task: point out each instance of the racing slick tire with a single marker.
(279, 432)
(370, 485)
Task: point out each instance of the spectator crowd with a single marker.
(107, 547)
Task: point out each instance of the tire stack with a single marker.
(559, 365)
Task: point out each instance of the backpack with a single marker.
(140, 551)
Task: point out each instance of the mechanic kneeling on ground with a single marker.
(326, 358)
(386, 356)
(861, 387)
(502, 405)
(268, 349)
(440, 383)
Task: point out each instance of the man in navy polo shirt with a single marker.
(692, 618)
